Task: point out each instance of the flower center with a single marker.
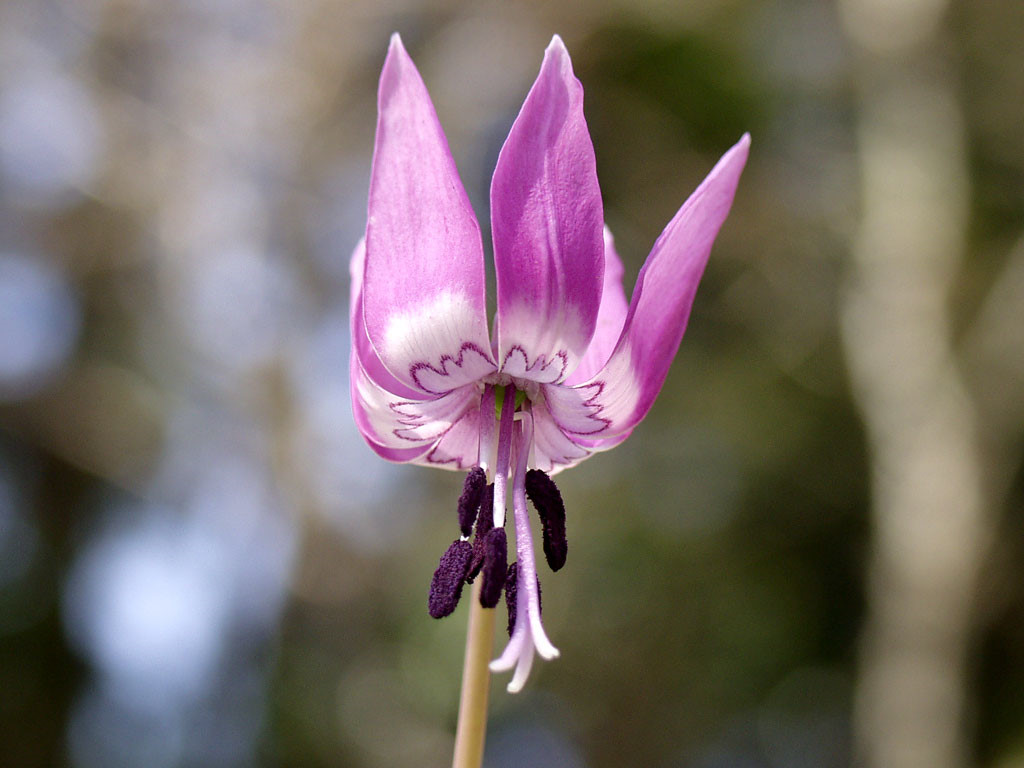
(506, 442)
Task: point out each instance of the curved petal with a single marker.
(621, 394)
(547, 221)
(357, 381)
(459, 448)
(554, 450)
(361, 347)
(423, 293)
(611, 316)
(394, 422)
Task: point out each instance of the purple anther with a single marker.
(484, 523)
(547, 500)
(446, 586)
(510, 595)
(469, 501)
(495, 567)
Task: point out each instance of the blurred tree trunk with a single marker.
(931, 528)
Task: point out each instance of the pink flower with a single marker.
(570, 368)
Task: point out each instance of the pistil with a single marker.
(528, 635)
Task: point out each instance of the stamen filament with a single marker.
(504, 454)
(486, 451)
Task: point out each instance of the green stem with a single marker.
(476, 679)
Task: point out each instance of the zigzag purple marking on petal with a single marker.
(438, 461)
(419, 421)
(597, 409)
(540, 364)
(415, 368)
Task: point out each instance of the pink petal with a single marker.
(555, 450)
(423, 293)
(395, 422)
(459, 448)
(361, 346)
(621, 394)
(547, 222)
(552, 448)
(364, 424)
(610, 316)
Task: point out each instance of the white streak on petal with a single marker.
(427, 337)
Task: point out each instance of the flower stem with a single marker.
(476, 680)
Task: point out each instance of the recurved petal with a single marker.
(620, 395)
(423, 292)
(401, 429)
(361, 348)
(610, 316)
(547, 221)
(363, 423)
(459, 447)
(555, 450)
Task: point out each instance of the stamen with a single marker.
(486, 451)
(547, 500)
(495, 567)
(510, 596)
(484, 523)
(469, 501)
(446, 585)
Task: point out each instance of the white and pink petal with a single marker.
(423, 289)
(611, 316)
(547, 220)
(617, 398)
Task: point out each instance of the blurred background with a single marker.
(808, 556)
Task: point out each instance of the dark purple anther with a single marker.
(469, 501)
(484, 523)
(446, 586)
(510, 595)
(544, 494)
(494, 568)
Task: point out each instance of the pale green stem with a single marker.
(476, 680)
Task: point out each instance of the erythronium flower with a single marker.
(570, 368)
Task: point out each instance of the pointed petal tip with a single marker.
(397, 55)
(556, 45)
(741, 147)
(556, 54)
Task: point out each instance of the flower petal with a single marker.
(423, 294)
(547, 220)
(366, 428)
(459, 448)
(361, 348)
(395, 422)
(554, 450)
(620, 395)
(611, 316)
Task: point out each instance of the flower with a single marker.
(571, 367)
